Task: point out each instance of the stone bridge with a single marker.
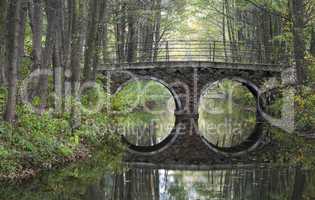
(186, 80)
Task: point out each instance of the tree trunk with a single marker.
(67, 30)
(13, 19)
(3, 8)
(36, 22)
(121, 31)
(51, 11)
(223, 30)
(103, 29)
(91, 40)
(312, 49)
(147, 32)
(77, 8)
(298, 39)
(57, 58)
(157, 29)
(132, 36)
(101, 37)
(231, 30)
(21, 39)
(66, 41)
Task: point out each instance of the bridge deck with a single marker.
(193, 64)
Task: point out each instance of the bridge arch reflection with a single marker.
(248, 139)
(158, 136)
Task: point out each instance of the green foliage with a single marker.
(305, 110)
(37, 141)
(136, 95)
(311, 70)
(25, 67)
(67, 183)
(294, 148)
(3, 95)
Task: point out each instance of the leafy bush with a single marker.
(37, 141)
(305, 110)
(293, 147)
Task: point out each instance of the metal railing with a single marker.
(193, 50)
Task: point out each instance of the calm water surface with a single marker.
(95, 183)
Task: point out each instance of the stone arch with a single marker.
(172, 136)
(254, 139)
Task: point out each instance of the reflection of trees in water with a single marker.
(145, 135)
(149, 112)
(149, 184)
(236, 184)
(142, 184)
(145, 129)
(227, 114)
(226, 130)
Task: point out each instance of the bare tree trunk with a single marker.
(36, 24)
(132, 30)
(3, 8)
(91, 40)
(36, 21)
(13, 19)
(58, 79)
(231, 30)
(157, 29)
(51, 11)
(147, 31)
(312, 49)
(223, 31)
(103, 29)
(77, 8)
(66, 40)
(67, 29)
(298, 38)
(21, 39)
(58, 58)
(121, 31)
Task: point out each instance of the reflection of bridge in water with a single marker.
(186, 68)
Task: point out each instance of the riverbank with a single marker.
(24, 174)
(83, 153)
(39, 142)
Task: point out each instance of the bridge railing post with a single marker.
(287, 55)
(260, 53)
(210, 50)
(167, 56)
(263, 54)
(213, 54)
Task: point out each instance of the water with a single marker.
(144, 112)
(227, 113)
(96, 183)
